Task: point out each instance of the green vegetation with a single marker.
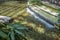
(59, 18)
(58, 22)
(22, 22)
(34, 1)
(11, 31)
(10, 8)
(47, 14)
(53, 8)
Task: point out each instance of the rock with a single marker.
(5, 19)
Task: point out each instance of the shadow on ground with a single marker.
(48, 35)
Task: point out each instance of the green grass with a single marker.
(50, 17)
(9, 9)
(36, 30)
(47, 15)
(50, 6)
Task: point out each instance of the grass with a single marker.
(11, 10)
(36, 30)
(50, 6)
(46, 14)
(50, 17)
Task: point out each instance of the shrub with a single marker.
(12, 31)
